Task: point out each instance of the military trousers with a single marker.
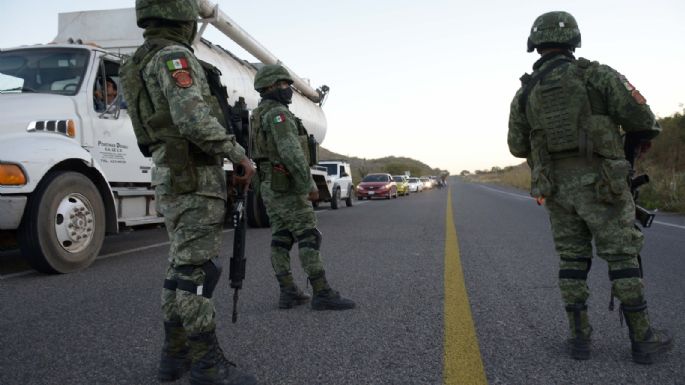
(194, 223)
(292, 220)
(583, 211)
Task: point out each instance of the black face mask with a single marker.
(281, 95)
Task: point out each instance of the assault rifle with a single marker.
(632, 147)
(239, 122)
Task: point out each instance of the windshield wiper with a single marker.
(22, 89)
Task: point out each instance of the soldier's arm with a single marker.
(284, 130)
(625, 104)
(181, 77)
(518, 137)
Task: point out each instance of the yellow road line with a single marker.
(461, 362)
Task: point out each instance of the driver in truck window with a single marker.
(111, 93)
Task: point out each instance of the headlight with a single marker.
(11, 175)
(360, 188)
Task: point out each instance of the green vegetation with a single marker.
(390, 164)
(664, 163)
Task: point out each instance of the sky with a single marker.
(433, 79)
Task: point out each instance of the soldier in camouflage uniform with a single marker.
(567, 120)
(287, 187)
(180, 124)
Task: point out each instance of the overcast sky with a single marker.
(431, 79)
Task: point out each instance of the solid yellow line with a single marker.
(461, 363)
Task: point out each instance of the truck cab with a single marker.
(78, 172)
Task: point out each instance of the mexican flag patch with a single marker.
(177, 64)
(280, 118)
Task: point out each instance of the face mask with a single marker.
(281, 95)
(286, 95)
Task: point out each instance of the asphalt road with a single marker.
(103, 325)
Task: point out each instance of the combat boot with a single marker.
(646, 343)
(210, 366)
(579, 343)
(326, 298)
(175, 360)
(291, 295)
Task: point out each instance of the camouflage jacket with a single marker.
(614, 105)
(176, 83)
(277, 139)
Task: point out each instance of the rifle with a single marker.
(631, 146)
(239, 122)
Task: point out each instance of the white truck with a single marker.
(340, 173)
(69, 174)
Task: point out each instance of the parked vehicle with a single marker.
(427, 184)
(340, 174)
(415, 185)
(377, 185)
(402, 184)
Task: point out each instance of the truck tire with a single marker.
(256, 211)
(348, 200)
(335, 201)
(64, 224)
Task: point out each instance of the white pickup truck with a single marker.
(341, 186)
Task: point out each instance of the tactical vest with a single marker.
(263, 146)
(558, 109)
(141, 110)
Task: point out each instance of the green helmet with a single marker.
(175, 10)
(551, 29)
(270, 74)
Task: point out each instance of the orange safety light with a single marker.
(11, 175)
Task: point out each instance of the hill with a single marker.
(390, 164)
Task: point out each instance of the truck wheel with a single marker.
(256, 211)
(348, 200)
(335, 200)
(64, 224)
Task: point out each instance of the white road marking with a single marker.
(529, 197)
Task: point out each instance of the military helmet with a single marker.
(551, 29)
(270, 74)
(175, 10)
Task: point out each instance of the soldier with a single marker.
(567, 120)
(287, 187)
(181, 125)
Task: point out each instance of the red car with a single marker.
(377, 185)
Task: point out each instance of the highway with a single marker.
(453, 286)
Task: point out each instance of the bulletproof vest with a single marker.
(560, 111)
(263, 146)
(140, 106)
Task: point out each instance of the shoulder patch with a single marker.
(180, 63)
(280, 118)
(637, 96)
(183, 78)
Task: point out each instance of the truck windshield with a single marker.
(331, 168)
(43, 70)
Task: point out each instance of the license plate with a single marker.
(371, 192)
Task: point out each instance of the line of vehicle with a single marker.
(462, 363)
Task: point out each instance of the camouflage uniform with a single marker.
(279, 138)
(567, 120)
(177, 121)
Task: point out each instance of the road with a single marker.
(500, 320)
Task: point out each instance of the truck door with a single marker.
(114, 144)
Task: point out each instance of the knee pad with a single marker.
(310, 238)
(212, 271)
(282, 239)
